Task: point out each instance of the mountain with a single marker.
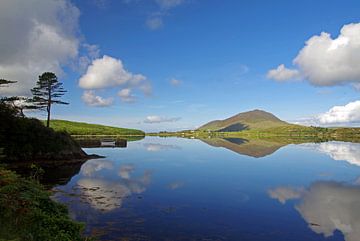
(255, 119)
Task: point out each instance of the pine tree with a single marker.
(46, 92)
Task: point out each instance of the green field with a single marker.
(289, 132)
(80, 128)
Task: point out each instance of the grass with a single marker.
(81, 128)
(286, 132)
(28, 213)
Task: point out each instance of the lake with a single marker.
(218, 189)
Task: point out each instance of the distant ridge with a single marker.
(255, 119)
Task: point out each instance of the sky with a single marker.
(176, 64)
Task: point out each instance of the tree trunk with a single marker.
(48, 116)
(48, 108)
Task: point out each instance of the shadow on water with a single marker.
(98, 141)
(51, 175)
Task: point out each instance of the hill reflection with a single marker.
(253, 147)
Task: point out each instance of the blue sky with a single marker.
(204, 60)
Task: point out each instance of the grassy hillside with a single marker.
(256, 119)
(80, 128)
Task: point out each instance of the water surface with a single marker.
(232, 189)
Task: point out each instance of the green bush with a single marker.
(28, 213)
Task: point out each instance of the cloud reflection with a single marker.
(155, 147)
(92, 166)
(339, 151)
(283, 194)
(105, 193)
(327, 207)
(176, 185)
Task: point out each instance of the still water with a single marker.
(218, 189)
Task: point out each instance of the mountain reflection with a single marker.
(326, 206)
(339, 151)
(253, 147)
(106, 191)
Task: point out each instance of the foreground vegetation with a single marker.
(80, 128)
(28, 213)
(27, 139)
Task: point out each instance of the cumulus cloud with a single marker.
(126, 95)
(349, 113)
(339, 151)
(327, 61)
(175, 82)
(107, 72)
(281, 73)
(91, 99)
(345, 115)
(35, 40)
(158, 119)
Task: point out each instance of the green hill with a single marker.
(256, 119)
(258, 123)
(80, 128)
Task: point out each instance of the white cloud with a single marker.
(35, 40)
(167, 4)
(105, 72)
(345, 115)
(91, 99)
(349, 113)
(158, 119)
(327, 61)
(154, 22)
(281, 73)
(175, 82)
(92, 52)
(126, 95)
